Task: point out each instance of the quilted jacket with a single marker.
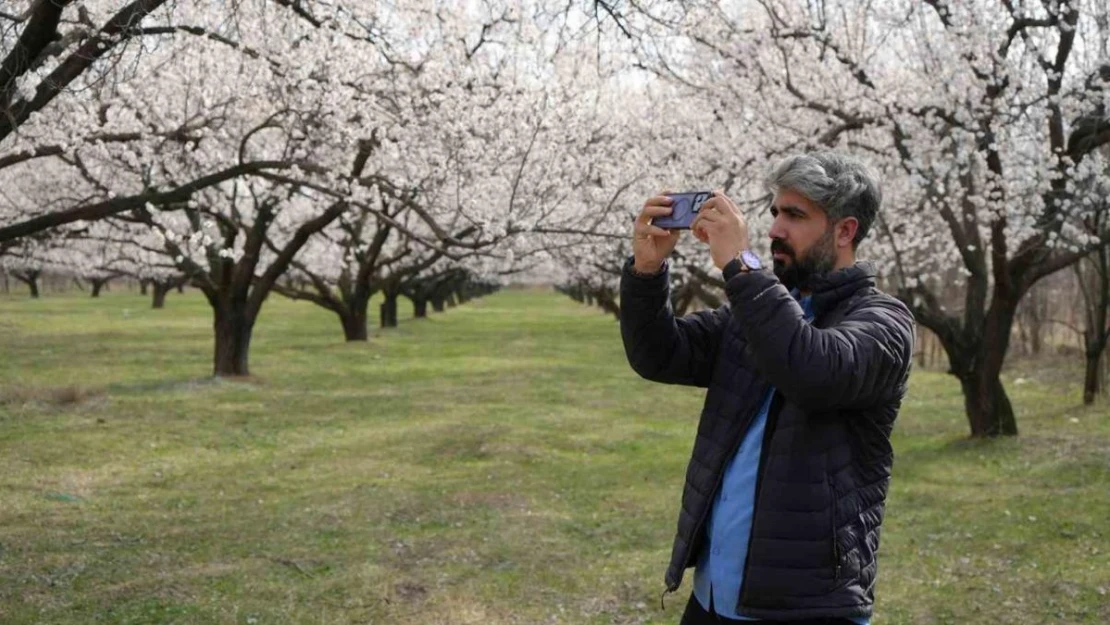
(826, 460)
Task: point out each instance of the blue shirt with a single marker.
(720, 568)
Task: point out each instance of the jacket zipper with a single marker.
(832, 531)
(721, 477)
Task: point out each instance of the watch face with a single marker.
(750, 259)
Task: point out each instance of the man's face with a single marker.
(802, 239)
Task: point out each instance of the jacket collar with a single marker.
(836, 286)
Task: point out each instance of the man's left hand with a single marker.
(720, 224)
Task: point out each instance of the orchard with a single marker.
(375, 164)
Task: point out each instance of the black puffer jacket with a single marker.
(826, 459)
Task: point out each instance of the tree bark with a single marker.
(143, 287)
(160, 291)
(1092, 378)
(419, 308)
(233, 339)
(437, 304)
(97, 285)
(979, 369)
(989, 411)
(389, 311)
(354, 323)
(1095, 289)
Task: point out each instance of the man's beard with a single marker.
(820, 259)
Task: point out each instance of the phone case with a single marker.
(683, 211)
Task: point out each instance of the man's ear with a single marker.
(846, 231)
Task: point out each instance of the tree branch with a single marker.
(78, 61)
(107, 208)
(41, 29)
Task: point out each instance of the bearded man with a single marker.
(805, 367)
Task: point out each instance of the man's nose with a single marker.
(777, 231)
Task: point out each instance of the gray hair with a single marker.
(841, 185)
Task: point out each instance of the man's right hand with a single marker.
(651, 245)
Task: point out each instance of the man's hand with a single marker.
(720, 224)
(651, 245)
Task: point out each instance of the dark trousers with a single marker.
(697, 615)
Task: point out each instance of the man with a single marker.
(806, 367)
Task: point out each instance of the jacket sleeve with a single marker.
(659, 346)
(861, 362)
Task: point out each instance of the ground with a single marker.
(496, 463)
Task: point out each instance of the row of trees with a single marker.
(987, 120)
(445, 289)
(1067, 314)
(319, 151)
(330, 151)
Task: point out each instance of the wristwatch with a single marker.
(749, 261)
(745, 262)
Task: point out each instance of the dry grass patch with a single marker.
(50, 396)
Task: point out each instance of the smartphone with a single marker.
(683, 210)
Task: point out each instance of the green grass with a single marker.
(497, 463)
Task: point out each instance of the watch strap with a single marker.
(733, 267)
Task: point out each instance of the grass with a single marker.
(497, 463)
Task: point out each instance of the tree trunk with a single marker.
(160, 291)
(142, 287)
(420, 308)
(451, 300)
(1096, 304)
(609, 304)
(389, 311)
(1092, 377)
(233, 342)
(31, 279)
(181, 287)
(97, 285)
(989, 411)
(354, 323)
(354, 313)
